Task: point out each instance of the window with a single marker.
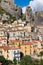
(0, 51)
(7, 51)
(4, 50)
(7, 56)
(4, 40)
(14, 52)
(32, 29)
(18, 51)
(30, 46)
(25, 47)
(25, 51)
(41, 44)
(35, 46)
(0, 32)
(13, 34)
(30, 52)
(28, 40)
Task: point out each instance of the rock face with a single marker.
(9, 6)
(38, 18)
(28, 13)
(34, 18)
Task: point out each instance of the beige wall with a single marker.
(27, 49)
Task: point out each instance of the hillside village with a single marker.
(20, 34)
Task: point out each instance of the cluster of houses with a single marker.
(20, 37)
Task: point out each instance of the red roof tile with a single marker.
(26, 37)
(6, 48)
(11, 41)
(27, 43)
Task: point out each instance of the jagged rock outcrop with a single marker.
(10, 7)
(28, 13)
(34, 18)
(38, 18)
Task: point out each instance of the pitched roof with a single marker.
(28, 43)
(3, 39)
(11, 41)
(17, 30)
(6, 48)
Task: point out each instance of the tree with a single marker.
(9, 62)
(21, 55)
(36, 62)
(3, 61)
(15, 61)
(26, 60)
(41, 62)
(41, 54)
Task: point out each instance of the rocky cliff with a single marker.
(34, 18)
(10, 7)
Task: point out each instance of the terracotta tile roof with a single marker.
(17, 30)
(27, 43)
(26, 37)
(6, 48)
(3, 39)
(11, 41)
